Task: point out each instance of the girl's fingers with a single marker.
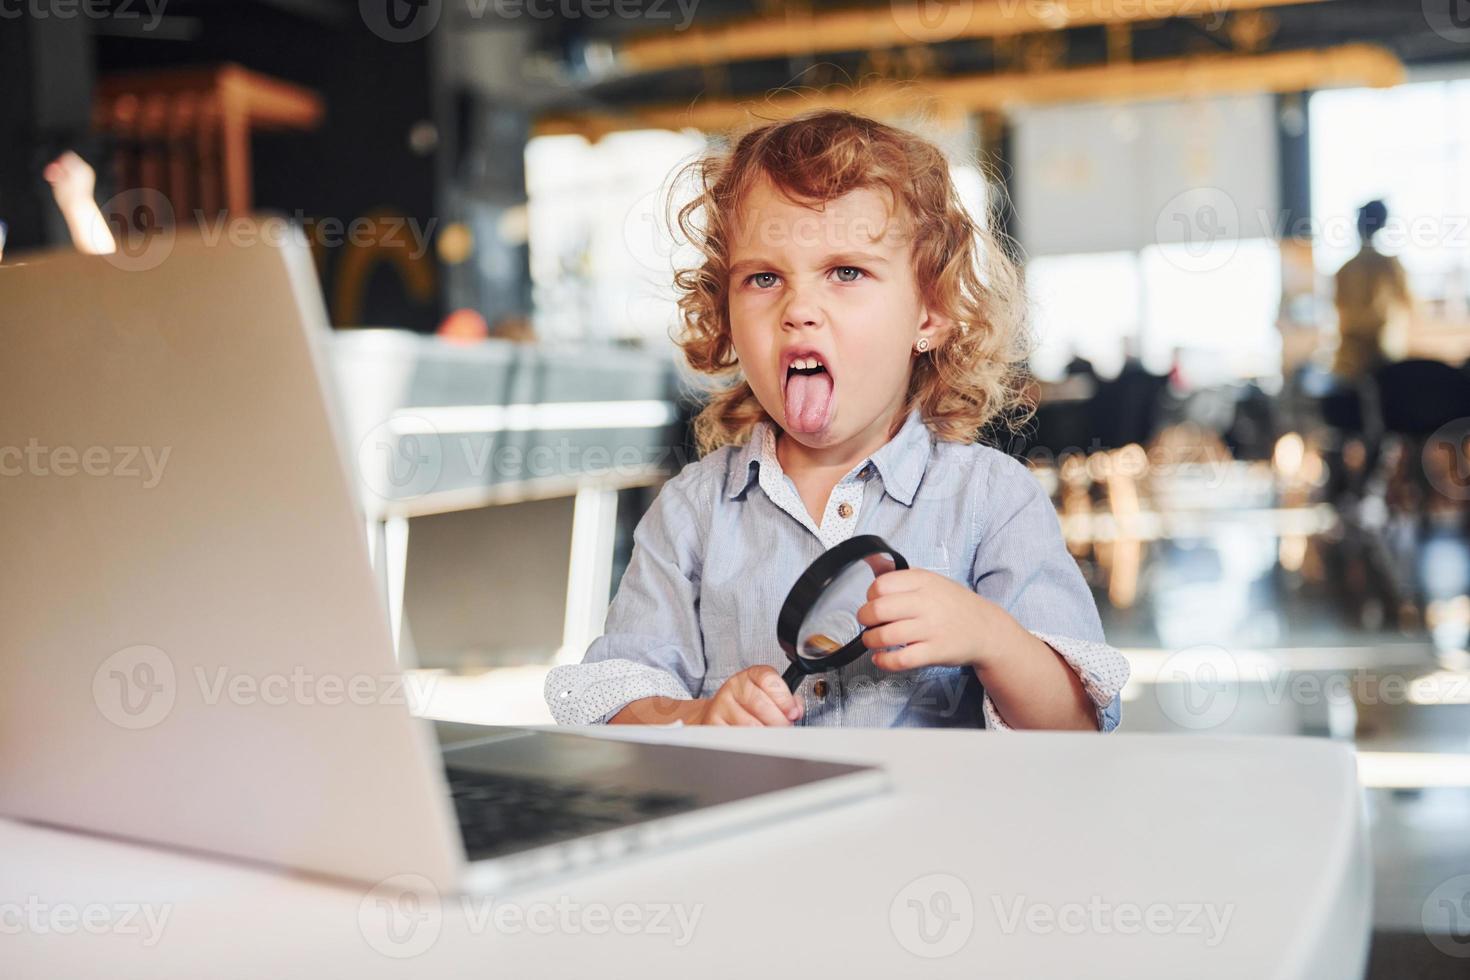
(894, 634)
(890, 583)
(911, 656)
(889, 608)
(771, 683)
(767, 712)
(733, 714)
(751, 693)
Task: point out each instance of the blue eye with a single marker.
(771, 275)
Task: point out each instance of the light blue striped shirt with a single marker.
(725, 539)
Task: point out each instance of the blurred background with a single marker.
(1246, 233)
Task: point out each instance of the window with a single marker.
(1218, 307)
(1083, 306)
(1410, 147)
(601, 252)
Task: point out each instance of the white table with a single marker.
(1035, 855)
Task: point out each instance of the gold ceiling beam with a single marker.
(902, 23)
(947, 99)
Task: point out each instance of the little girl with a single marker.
(861, 331)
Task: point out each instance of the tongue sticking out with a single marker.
(809, 401)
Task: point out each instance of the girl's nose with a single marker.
(800, 312)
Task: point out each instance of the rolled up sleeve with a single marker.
(651, 644)
(1022, 564)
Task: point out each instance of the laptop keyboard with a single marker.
(500, 813)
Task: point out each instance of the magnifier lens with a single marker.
(832, 622)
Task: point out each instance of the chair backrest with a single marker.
(1126, 409)
(1419, 396)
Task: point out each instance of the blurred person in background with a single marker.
(1373, 303)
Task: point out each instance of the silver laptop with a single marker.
(193, 650)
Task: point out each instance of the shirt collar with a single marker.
(900, 462)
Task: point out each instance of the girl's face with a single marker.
(836, 284)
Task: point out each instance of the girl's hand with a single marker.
(754, 697)
(938, 620)
(72, 180)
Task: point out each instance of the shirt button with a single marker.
(844, 510)
(820, 688)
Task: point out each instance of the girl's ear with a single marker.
(936, 327)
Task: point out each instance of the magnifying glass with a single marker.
(818, 626)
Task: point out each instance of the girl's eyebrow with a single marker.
(837, 258)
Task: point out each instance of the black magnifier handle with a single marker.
(793, 677)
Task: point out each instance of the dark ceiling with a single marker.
(573, 32)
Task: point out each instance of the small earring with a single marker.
(922, 345)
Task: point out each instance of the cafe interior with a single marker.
(1244, 230)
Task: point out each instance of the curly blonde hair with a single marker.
(965, 272)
